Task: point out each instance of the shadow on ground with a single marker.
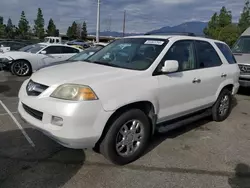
(241, 179)
(244, 91)
(46, 165)
(158, 138)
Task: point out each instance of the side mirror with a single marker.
(43, 52)
(170, 66)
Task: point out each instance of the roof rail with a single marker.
(170, 33)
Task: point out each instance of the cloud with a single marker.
(141, 15)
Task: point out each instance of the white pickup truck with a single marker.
(120, 96)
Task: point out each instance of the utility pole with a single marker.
(98, 21)
(124, 23)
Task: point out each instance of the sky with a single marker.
(141, 15)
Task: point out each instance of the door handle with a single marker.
(224, 75)
(195, 80)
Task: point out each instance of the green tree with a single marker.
(39, 24)
(225, 17)
(74, 30)
(69, 32)
(9, 29)
(244, 21)
(23, 26)
(229, 34)
(212, 28)
(1, 27)
(51, 29)
(84, 33)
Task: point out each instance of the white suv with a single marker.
(117, 99)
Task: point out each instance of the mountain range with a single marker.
(192, 27)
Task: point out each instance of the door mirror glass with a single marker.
(170, 66)
(43, 52)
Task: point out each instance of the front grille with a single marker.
(244, 69)
(34, 113)
(35, 89)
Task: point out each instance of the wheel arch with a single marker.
(146, 106)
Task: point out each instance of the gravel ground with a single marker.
(204, 154)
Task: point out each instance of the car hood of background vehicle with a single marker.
(242, 58)
(80, 73)
(16, 54)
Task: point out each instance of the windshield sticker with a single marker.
(154, 42)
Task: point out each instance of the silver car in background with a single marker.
(241, 51)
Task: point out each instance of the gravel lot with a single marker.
(203, 154)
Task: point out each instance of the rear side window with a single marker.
(68, 50)
(225, 50)
(207, 55)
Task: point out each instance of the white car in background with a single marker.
(30, 58)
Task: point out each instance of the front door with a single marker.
(179, 92)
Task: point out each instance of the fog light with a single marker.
(57, 121)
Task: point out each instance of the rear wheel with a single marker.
(223, 106)
(126, 138)
(21, 68)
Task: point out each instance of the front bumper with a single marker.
(244, 80)
(83, 122)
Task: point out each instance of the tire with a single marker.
(217, 114)
(21, 64)
(108, 146)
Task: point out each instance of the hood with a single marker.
(15, 54)
(80, 73)
(242, 58)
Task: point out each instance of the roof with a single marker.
(175, 37)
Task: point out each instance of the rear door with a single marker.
(211, 70)
(53, 54)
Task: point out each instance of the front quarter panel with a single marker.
(116, 94)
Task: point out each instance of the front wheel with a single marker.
(21, 68)
(127, 137)
(223, 106)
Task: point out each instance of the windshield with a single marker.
(84, 54)
(129, 53)
(32, 48)
(242, 45)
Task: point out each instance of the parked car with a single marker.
(79, 42)
(32, 57)
(117, 99)
(78, 57)
(11, 45)
(241, 51)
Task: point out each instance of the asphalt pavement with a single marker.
(203, 154)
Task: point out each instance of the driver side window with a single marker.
(184, 53)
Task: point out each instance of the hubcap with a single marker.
(224, 105)
(129, 138)
(21, 68)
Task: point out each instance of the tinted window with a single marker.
(183, 52)
(68, 50)
(226, 52)
(207, 56)
(54, 50)
(242, 45)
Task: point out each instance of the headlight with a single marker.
(4, 60)
(74, 92)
